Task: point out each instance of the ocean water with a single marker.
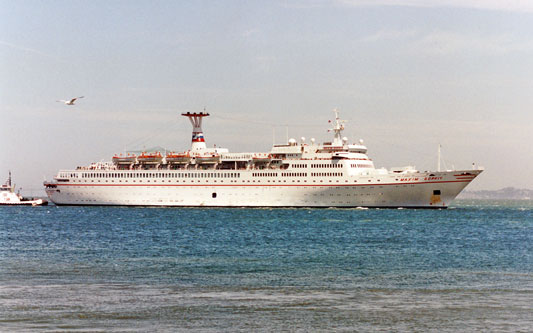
(114, 269)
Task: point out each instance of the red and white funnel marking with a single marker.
(198, 141)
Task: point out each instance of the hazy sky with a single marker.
(406, 74)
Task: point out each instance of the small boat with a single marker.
(127, 159)
(261, 158)
(150, 158)
(208, 158)
(178, 158)
(9, 197)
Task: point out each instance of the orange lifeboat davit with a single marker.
(261, 158)
(178, 158)
(124, 160)
(150, 158)
(209, 158)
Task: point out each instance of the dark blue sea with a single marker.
(115, 269)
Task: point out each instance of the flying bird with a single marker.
(70, 102)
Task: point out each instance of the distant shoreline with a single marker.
(509, 193)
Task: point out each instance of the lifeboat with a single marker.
(261, 158)
(178, 158)
(150, 158)
(208, 158)
(127, 159)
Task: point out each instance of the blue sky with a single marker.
(407, 75)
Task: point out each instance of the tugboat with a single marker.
(9, 197)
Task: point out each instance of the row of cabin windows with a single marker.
(283, 174)
(360, 165)
(68, 175)
(326, 174)
(294, 174)
(161, 175)
(326, 165)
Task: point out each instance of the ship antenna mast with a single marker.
(438, 158)
(338, 127)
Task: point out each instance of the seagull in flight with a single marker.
(70, 102)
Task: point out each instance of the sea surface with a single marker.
(114, 269)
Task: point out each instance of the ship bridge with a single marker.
(338, 148)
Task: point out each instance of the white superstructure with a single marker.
(331, 174)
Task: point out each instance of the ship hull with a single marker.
(420, 190)
(38, 202)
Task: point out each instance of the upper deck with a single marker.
(199, 157)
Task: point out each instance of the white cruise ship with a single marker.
(296, 174)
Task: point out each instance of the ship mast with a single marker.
(438, 158)
(338, 127)
(198, 141)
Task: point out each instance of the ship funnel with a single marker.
(198, 141)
